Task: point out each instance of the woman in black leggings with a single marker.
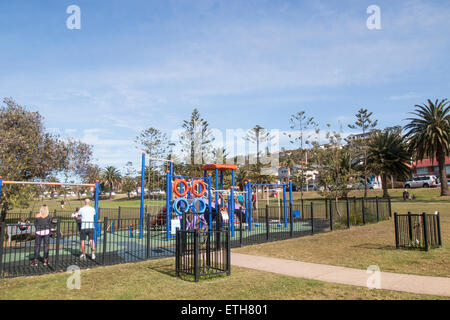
(42, 224)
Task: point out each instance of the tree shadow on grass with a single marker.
(375, 246)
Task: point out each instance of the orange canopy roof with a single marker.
(220, 167)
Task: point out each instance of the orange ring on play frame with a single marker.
(203, 188)
(185, 187)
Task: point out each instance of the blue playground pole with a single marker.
(246, 203)
(231, 202)
(285, 209)
(142, 194)
(209, 202)
(112, 227)
(96, 191)
(250, 208)
(168, 185)
(169, 198)
(217, 188)
(221, 182)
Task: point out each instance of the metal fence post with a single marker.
(410, 226)
(302, 206)
(2, 236)
(390, 207)
(147, 226)
(54, 213)
(240, 233)
(378, 209)
(326, 209)
(397, 240)
(196, 266)
(348, 213)
(31, 215)
(177, 253)
(58, 237)
(291, 220)
(438, 222)
(312, 217)
(208, 249)
(105, 241)
(267, 222)
(363, 211)
(425, 230)
(118, 219)
(331, 215)
(228, 246)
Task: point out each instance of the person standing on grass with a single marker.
(87, 214)
(42, 224)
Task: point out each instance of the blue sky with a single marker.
(136, 64)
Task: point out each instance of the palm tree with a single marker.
(428, 135)
(111, 176)
(388, 155)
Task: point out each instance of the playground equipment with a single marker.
(95, 185)
(253, 202)
(192, 201)
(204, 199)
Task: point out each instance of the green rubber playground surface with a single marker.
(124, 240)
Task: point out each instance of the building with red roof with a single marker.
(428, 167)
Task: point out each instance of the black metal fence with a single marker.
(202, 254)
(417, 231)
(308, 218)
(118, 241)
(122, 237)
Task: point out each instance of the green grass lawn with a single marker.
(156, 280)
(363, 246)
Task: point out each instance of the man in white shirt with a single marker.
(87, 214)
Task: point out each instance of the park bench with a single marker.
(15, 230)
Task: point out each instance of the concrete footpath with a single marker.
(439, 286)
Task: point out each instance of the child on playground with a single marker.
(22, 223)
(42, 224)
(254, 201)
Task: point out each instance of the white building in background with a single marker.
(284, 174)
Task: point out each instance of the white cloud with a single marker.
(406, 96)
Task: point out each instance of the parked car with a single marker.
(310, 187)
(422, 182)
(373, 185)
(439, 184)
(157, 192)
